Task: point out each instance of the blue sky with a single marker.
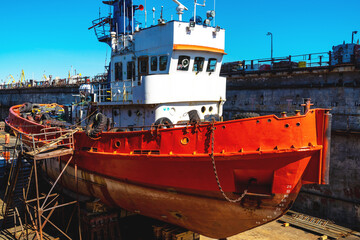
(52, 37)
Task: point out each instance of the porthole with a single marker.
(172, 111)
(210, 109)
(185, 140)
(117, 144)
(203, 109)
(129, 113)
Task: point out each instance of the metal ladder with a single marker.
(19, 175)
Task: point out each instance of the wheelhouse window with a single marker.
(143, 65)
(183, 64)
(211, 65)
(118, 71)
(198, 64)
(131, 70)
(154, 64)
(163, 60)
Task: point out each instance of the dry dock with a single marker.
(272, 91)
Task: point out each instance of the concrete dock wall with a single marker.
(335, 88)
(11, 97)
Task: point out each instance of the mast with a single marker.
(214, 11)
(145, 16)
(132, 17)
(195, 4)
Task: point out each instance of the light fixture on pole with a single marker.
(271, 35)
(352, 36)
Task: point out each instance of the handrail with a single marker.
(106, 92)
(301, 61)
(101, 27)
(41, 141)
(64, 82)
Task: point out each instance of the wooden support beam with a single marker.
(57, 152)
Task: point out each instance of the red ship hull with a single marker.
(188, 176)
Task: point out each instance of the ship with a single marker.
(152, 139)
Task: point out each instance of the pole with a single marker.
(145, 15)
(124, 23)
(215, 12)
(132, 17)
(38, 209)
(195, 10)
(272, 49)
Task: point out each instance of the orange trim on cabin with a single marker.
(198, 48)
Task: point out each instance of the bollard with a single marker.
(7, 138)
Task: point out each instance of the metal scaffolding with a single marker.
(33, 150)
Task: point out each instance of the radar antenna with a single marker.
(180, 9)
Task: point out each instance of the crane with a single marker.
(22, 77)
(10, 77)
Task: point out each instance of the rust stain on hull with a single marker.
(179, 208)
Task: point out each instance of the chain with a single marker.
(215, 171)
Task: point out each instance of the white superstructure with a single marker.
(162, 73)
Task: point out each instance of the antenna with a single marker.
(161, 20)
(214, 11)
(180, 9)
(145, 16)
(132, 17)
(124, 22)
(153, 10)
(195, 4)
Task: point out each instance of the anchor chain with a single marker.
(215, 170)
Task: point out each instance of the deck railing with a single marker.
(49, 138)
(64, 82)
(118, 91)
(312, 60)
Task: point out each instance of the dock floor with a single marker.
(275, 231)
